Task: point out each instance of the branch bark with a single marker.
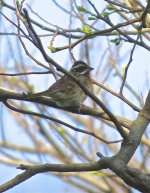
(85, 110)
(117, 163)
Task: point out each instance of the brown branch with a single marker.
(61, 31)
(129, 62)
(15, 26)
(85, 110)
(144, 14)
(86, 91)
(117, 95)
(124, 6)
(113, 27)
(97, 33)
(99, 16)
(143, 17)
(60, 122)
(33, 150)
(137, 129)
(118, 163)
(23, 73)
(33, 170)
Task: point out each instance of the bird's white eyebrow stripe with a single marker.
(79, 66)
(83, 72)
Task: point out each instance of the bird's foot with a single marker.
(80, 108)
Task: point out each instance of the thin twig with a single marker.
(124, 6)
(32, 170)
(99, 16)
(60, 122)
(70, 50)
(86, 91)
(23, 73)
(127, 67)
(15, 26)
(117, 95)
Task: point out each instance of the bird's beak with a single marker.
(91, 68)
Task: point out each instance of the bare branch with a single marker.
(33, 170)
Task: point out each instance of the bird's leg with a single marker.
(80, 108)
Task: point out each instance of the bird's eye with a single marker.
(80, 69)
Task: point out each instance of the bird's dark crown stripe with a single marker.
(80, 65)
(80, 62)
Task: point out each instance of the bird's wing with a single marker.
(61, 85)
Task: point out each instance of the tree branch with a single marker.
(60, 122)
(131, 176)
(33, 170)
(85, 110)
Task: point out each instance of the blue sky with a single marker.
(140, 65)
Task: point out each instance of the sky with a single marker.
(139, 66)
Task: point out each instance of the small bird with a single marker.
(65, 92)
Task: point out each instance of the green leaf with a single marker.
(62, 131)
(137, 26)
(87, 30)
(106, 14)
(52, 49)
(84, 139)
(116, 41)
(110, 7)
(32, 88)
(123, 68)
(18, 4)
(82, 9)
(92, 18)
(1, 5)
(98, 173)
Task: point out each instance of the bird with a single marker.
(67, 93)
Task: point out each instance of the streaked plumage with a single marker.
(66, 92)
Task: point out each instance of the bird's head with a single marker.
(81, 67)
